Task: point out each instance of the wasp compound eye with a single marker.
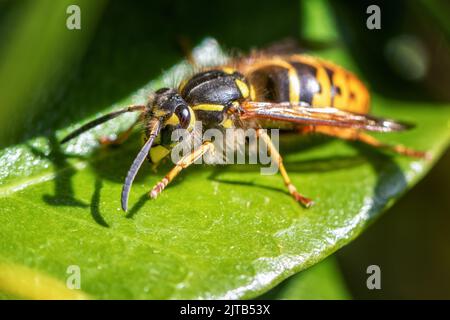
(184, 116)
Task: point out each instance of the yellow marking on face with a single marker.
(243, 88)
(173, 120)
(208, 107)
(227, 123)
(157, 153)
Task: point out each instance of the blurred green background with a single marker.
(51, 76)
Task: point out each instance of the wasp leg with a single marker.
(185, 162)
(355, 135)
(287, 181)
(121, 137)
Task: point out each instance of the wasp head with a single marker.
(167, 104)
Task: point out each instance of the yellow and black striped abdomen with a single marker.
(300, 78)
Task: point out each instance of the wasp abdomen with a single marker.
(299, 78)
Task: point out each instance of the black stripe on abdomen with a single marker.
(309, 85)
(271, 83)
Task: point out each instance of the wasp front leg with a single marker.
(279, 160)
(356, 135)
(185, 162)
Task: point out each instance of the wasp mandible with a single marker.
(295, 92)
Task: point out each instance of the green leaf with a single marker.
(322, 281)
(216, 232)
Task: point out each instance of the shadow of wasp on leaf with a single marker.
(63, 185)
(390, 177)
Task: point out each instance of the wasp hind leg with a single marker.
(287, 181)
(356, 135)
(183, 163)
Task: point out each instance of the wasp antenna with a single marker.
(101, 120)
(137, 163)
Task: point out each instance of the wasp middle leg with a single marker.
(185, 162)
(287, 181)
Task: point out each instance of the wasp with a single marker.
(287, 91)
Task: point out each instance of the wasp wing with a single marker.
(327, 116)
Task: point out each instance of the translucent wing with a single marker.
(328, 116)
